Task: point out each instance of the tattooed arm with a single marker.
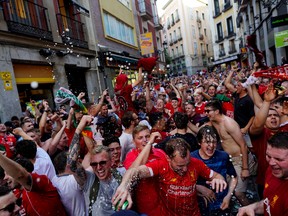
(74, 150)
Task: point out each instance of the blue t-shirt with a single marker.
(220, 163)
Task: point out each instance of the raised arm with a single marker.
(261, 116)
(143, 156)
(149, 104)
(56, 139)
(43, 119)
(74, 150)
(228, 82)
(16, 171)
(140, 78)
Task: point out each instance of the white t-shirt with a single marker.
(43, 164)
(72, 196)
(126, 142)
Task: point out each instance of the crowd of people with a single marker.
(188, 145)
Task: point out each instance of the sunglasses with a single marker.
(101, 163)
(10, 208)
(208, 111)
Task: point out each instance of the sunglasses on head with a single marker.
(10, 208)
(95, 164)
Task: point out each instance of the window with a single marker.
(219, 31)
(207, 47)
(173, 52)
(116, 29)
(205, 32)
(203, 16)
(195, 48)
(193, 32)
(217, 7)
(174, 35)
(182, 49)
(177, 51)
(126, 3)
(190, 13)
(230, 26)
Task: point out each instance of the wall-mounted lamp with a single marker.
(45, 52)
(61, 53)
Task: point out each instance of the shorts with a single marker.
(237, 163)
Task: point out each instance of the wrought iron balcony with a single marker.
(222, 53)
(203, 53)
(145, 9)
(179, 37)
(177, 18)
(219, 38)
(232, 49)
(71, 31)
(157, 24)
(27, 18)
(216, 13)
(201, 37)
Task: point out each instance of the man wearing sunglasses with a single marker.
(100, 184)
(9, 205)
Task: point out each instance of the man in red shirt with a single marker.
(177, 175)
(275, 200)
(39, 196)
(146, 194)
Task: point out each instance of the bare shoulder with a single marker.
(229, 123)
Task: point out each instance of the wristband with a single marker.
(245, 169)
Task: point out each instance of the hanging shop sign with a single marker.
(278, 21)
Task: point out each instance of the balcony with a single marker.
(168, 25)
(222, 53)
(145, 9)
(198, 19)
(227, 6)
(75, 35)
(230, 34)
(177, 19)
(179, 37)
(217, 13)
(157, 24)
(219, 38)
(27, 19)
(203, 53)
(201, 36)
(175, 40)
(172, 22)
(232, 49)
(171, 42)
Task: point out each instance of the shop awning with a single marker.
(221, 61)
(124, 58)
(27, 73)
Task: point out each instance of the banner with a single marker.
(146, 43)
(281, 39)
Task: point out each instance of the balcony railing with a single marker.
(216, 13)
(157, 24)
(172, 22)
(27, 18)
(230, 34)
(71, 31)
(171, 42)
(222, 53)
(201, 37)
(179, 37)
(175, 40)
(203, 53)
(198, 19)
(219, 38)
(232, 49)
(168, 25)
(145, 9)
(177, 19)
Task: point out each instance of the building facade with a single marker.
(188, 36)
(76, 44)
(268, 20)
(226, 36)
